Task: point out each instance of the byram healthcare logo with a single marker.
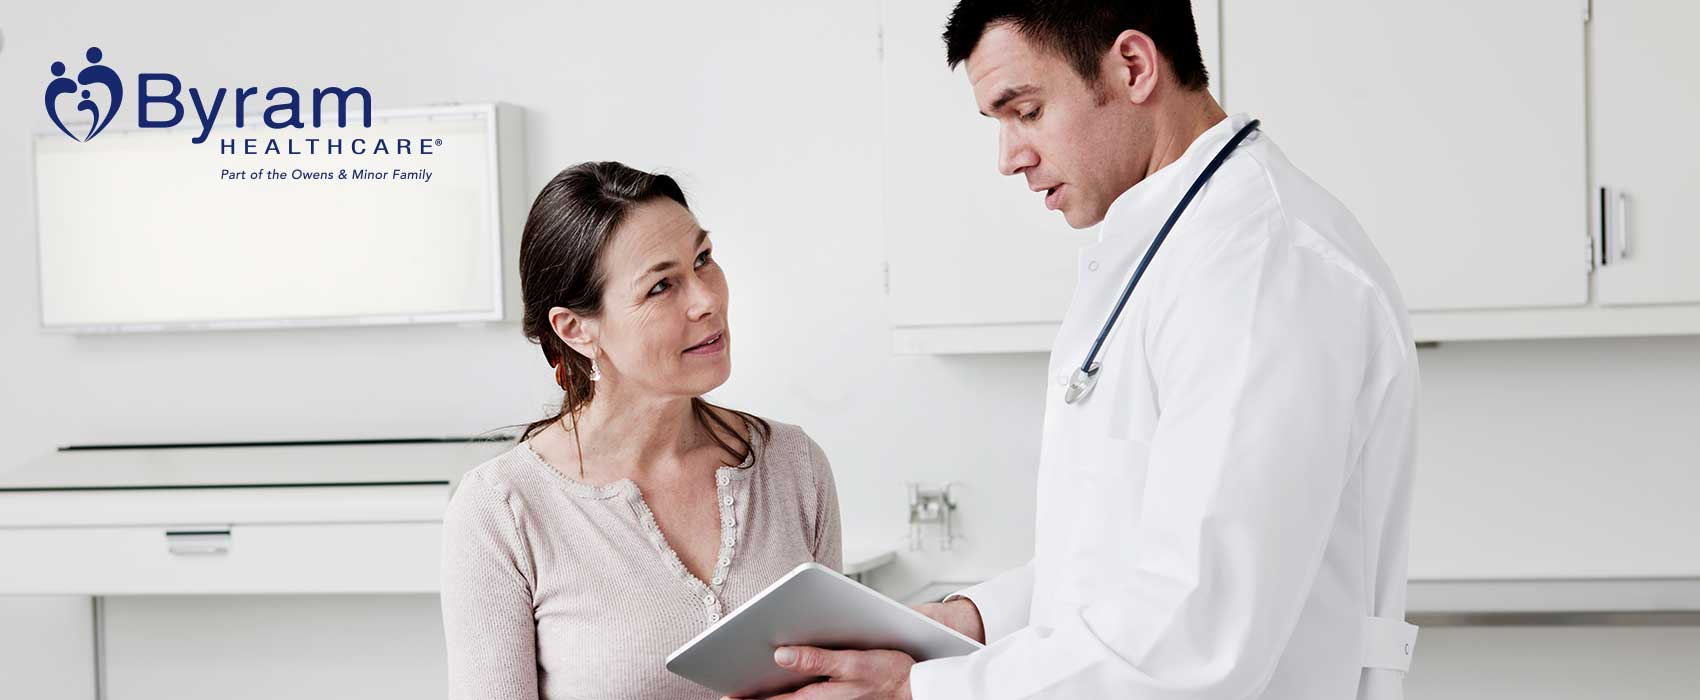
(92, 76)
(98, 91)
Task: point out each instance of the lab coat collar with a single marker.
(1131, 212)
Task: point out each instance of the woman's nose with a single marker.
(705, 300)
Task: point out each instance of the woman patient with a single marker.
(636, 517)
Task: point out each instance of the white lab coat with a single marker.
(1225, 515)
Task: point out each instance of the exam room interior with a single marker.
(773, 128)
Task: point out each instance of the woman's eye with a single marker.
(703, 259)
(659, 288)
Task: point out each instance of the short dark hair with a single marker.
(1080, 30)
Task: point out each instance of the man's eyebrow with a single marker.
(1011, 93)
(702, 235)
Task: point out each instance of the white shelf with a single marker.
(859, 559)
(1554, 596)
(1427, 326)
(1525, 598)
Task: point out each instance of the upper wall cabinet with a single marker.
(1452, 129)
(1646, 104)
(1519, 186)
(975, 262)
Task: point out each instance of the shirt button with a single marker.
(719, 580)
(1093, 266)
(721, 479)
(730, 542)
(725, 561)
(727, 521)
(713, 615)
(708, 599)
(726, 501)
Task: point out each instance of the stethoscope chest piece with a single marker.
(1081, 383)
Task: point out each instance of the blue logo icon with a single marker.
(90, 77)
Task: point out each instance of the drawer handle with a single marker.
(198, 541)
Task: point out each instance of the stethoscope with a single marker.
(1086, 376)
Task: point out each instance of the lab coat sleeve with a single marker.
(828, 529)
(488, 620)
(1258, 362)
(1004, 601)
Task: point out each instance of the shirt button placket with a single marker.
(712, 606)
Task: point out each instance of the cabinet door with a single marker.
(1646, 101)
(966, 246)
(1453, 129)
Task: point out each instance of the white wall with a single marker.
(770, 113)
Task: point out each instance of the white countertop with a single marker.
(253, 466)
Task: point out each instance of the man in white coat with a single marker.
(1224, 515)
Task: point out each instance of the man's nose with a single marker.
(1014, 153)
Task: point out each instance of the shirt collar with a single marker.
(1132, 212)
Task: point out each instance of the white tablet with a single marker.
(811, 606)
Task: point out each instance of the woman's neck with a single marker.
(629, 436)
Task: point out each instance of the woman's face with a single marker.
(663, 325)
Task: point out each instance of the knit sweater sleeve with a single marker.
(487, 585)
(828, 535)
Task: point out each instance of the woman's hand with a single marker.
(848, 675)
(960, 615)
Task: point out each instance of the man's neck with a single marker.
(1177, 127)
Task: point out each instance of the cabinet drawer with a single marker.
(201, 559)
(295, 504)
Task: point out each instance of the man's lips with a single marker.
(1053, 196)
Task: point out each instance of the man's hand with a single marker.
(960, 615)
(850, 675)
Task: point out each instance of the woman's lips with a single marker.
(714, 345)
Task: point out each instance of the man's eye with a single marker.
(1030, 116)
(659, 288)
(703, 259)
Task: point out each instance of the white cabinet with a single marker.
(1645, 107)
(327, 518)
(976, 263)
(1472, 139)
(340, 539)
(1453, 130)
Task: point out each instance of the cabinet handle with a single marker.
(1622, 224)
(1605, 228)
(1614, 226)
(198, 541)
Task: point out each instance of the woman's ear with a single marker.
(1136, 66)
(578, 332)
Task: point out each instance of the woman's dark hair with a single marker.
(1081, 30)
(560, 253)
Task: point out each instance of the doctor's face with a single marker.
(1078, 145)
(663, 324)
